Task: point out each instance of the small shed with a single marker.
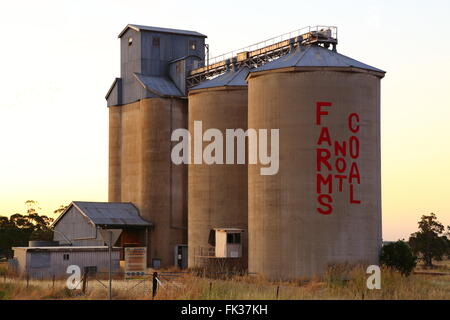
(228, 242)
(78, 225)
(46, 262)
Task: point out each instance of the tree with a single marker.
(430, 242)
(398, 255)
(18, 229)
(61, 209)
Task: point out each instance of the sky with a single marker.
(59, 58)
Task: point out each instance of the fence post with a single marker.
(155, 284)
(85, 276)
(278, 291)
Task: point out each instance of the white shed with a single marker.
(228, 242)
(46, 262)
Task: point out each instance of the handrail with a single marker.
(271, 41)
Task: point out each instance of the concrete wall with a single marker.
(288, 237)
(141, 170)
(217, 192)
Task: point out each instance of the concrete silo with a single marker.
(145, 105)
(324, 204)
(217, 193)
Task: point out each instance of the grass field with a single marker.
(338, 283)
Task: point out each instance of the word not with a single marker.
(343, 169)
(214, 151)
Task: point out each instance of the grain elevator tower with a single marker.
(146, 104)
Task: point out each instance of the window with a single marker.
(90, 270)
(234, 238)
(65, 256)
(192, 45)
(130, 41)
(155, 42)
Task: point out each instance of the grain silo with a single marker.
(145, 105)
(324, 204)
(217, 193)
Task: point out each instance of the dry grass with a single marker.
(338, 283)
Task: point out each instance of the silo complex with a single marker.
(217, 193)
(324, 205)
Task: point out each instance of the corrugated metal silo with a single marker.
(324, 205)
(217, 193)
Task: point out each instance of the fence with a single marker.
(96, 285)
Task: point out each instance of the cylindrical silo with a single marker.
(141, 170)
(323, 206)
(217, 193)
(163, 184)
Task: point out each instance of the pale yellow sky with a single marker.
(58, 59)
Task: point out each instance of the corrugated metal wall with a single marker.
(77, 229)
(52, 263)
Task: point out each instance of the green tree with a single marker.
(430, 242)
(398, 255)
(18, 229)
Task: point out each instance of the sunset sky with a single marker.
(58, 59)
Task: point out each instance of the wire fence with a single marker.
(95, 285)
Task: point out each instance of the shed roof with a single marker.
(67, 248)
(231, 78)
(108, 213)
(161, 86)
(230, 229)
(138, 27)
(314, 56)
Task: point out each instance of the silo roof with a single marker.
(231, 78)
(161, 86)
(314, 56)
(138, 27)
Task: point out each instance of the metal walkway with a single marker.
(262, 52)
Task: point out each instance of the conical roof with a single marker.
(231, 78)
(315, 56)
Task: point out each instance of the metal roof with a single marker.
(67, 248)
(231, 78)
(111, 88)
(138, 27)
(108, 213)
(314, 56)
(161, 86)
(230, 229)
